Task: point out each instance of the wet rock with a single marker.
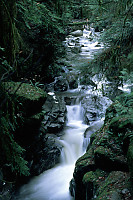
(60, 84)
(72, 81)
(76, 50)
(69, 100)
(50, 87)
(72, 187)
(94, 107)
(105, 186)
(98, 29)
(44, 152)
(125, 191)
(47, 157)
(6, 187)
(88, 180)
(55, 114)
(29, 130)
(92, 181)
(77, 33)
(107, 160)
(98, 45)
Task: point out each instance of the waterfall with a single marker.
(53, 184)
(73, 138)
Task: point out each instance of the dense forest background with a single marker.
(31, 33)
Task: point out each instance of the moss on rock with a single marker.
(113, 186)
(25, 90)
(32, 98)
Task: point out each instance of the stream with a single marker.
(53, 184)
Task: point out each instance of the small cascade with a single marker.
(74, 114)
(72, 141)
(53, 184)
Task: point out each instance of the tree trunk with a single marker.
(7, 29)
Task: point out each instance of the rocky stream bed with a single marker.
(74, 133)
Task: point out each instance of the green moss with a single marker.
(120, 123)
(24, 90)
(89, 177)
(86, 159)
(96, 177)
(102, 150)
(113, 184)
(29, 97)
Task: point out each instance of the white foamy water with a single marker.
(53, 184)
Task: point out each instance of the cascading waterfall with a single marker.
(53, 184)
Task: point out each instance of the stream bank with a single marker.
(103, 171)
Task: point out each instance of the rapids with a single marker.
(53, 184)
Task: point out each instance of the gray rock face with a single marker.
(77, 33)
(55, 114)
(94, 107)
(47, 156)
(46, 150)
(61, 84)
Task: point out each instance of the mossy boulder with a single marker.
(121, 123)
(113, 186)
(31, 98)
(106, 159)
(84, 163)
(92, 180)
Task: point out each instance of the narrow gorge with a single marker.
(73, 113)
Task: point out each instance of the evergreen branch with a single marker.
(127, 14)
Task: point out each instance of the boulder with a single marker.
(106, 159)
(72, 81)
(92, 180)
(94, 107)
(77, 33)
(55, 114)
(29, 129)
(47, 156)
(30, 98)
(60, 84)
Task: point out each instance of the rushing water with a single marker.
(53, 184)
